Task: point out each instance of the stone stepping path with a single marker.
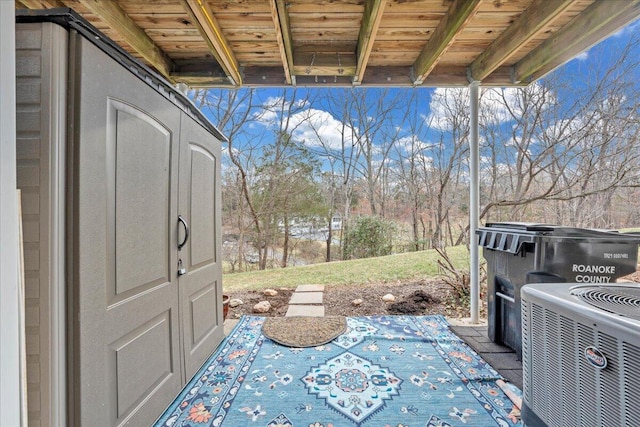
(307, 300)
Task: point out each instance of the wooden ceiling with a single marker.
(233, 43)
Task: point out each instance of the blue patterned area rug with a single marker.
(387, 371)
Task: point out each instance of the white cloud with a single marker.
(319, 128)
(496, 104)
(443, 106)
(303, 103)
(268, 114)
(266, 117)
(410, 144)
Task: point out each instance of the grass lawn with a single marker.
(407, 266)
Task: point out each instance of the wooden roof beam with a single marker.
(598, 21)
(373, 10)
(529, 23)
(210, 30)
(283, 35)
(111, 13)
(460, 12)
(42, 4)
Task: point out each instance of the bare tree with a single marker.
(376, 125)
(414, 169)
(338, 149)
(233, 112)
(449, 120)
(572, 155)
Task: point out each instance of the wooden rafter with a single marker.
(283, 35)
(41, 4)
(210, 30)
(111, 13)
(597, 22)
(460, 12)
(397, 42)
(373, 10)
(523, 29)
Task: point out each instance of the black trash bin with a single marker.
(521, 253)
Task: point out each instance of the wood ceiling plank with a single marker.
(331, 27)
(325, 34)
(460, 12)
(246, 20)
(280, 18)
(394, 34)
(163, 21)
(526, 26)
(325, 20)
(259, 48)
(119, 21)
(505, 6)
(370, 22)
(151, 7)
(252, 35)
(595, 23)
(208, 25)
(41, 4)
(416, 7)
(235, 6)
(171, 33)
(411, 21)
(350, 6)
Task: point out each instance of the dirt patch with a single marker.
(415, 303)
(279, 303)
(421, 297)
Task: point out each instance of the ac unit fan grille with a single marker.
(620, 300)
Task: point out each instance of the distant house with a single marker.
(336, 222)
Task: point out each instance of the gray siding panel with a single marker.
(28, 147)
(38, 89)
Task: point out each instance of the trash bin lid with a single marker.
(511, 236)
(523, 226)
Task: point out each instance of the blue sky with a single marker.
(578, 74)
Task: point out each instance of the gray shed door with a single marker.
(139, 328)
(201, 286)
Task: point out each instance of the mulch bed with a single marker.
(421, 297)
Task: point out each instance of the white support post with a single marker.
(10, 367)
(474, 203)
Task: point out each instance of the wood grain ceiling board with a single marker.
(326, 33)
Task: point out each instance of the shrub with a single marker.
(369, 236)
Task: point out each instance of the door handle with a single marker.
(183, 221)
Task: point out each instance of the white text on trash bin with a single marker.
(616, 256)
(593, 269)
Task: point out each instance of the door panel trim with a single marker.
(194, 300)
(160, 324)
(114, 106)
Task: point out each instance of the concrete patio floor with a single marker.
(503, 359)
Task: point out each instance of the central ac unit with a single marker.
(581, 355)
